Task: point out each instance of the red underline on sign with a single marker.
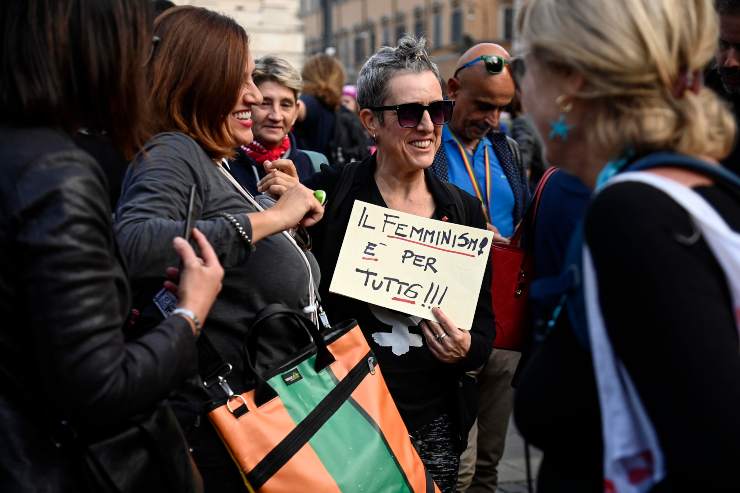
(411, 302)
(370, 258)
(430, 246)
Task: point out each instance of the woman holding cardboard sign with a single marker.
(400, 93)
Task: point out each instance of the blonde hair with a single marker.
(632, 58)
(275, 69)
(323, 77)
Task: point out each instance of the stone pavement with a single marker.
(512, 472)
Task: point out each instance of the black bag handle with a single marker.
(263, 392)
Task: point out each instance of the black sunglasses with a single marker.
(494, 64)
(409, 115)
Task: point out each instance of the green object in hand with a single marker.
(320, 196)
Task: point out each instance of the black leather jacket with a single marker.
(64, 296)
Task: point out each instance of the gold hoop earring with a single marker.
(565, 107)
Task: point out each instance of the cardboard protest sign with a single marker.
(412, 264)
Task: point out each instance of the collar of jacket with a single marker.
(443, 201)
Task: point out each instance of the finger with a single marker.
(444, 320)
(170, 286)
(434, 346)
(172, 273)
(277, 189)
(492, 228)
(206, 250)
(185, 251)
(428, 333)
(284, 165)
(313, 216)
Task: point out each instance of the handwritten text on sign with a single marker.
(412, 264)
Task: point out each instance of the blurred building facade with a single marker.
(360, 27)
(274, 26)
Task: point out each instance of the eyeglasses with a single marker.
(409, 115)
(494, 64)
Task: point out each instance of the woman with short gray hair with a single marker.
(280, 85)
(400, 95)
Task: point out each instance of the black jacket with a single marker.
(422, 386)
(64, 298)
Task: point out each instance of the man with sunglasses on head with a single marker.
(483, 161)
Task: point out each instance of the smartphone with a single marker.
(166, 301)
(189, 217)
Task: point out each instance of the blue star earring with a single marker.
(559, 129)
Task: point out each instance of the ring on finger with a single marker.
(441, 336)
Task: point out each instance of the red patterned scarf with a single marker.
(260, 153)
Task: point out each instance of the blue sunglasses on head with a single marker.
(494, 64)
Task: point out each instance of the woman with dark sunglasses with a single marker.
(400, 93)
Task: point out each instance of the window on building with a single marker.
(372, 41)
(507, 29)
(438, 29)
(360, 48)
(346, 58)
(386, 32)
(456, 28)
(400, 30)
(418, 23)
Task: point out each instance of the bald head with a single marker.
(479, 95)
(481, 49)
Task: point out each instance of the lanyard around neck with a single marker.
(484, 200)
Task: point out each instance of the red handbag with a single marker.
(512, 267)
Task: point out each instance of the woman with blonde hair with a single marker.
(636, 389)
(324, 125)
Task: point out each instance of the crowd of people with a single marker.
(158, 183)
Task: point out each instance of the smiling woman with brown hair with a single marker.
(203, 92)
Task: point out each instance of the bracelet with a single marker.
(239, 229)
(188, 314)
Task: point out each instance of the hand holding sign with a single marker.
(446, 342)
(412, 264)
